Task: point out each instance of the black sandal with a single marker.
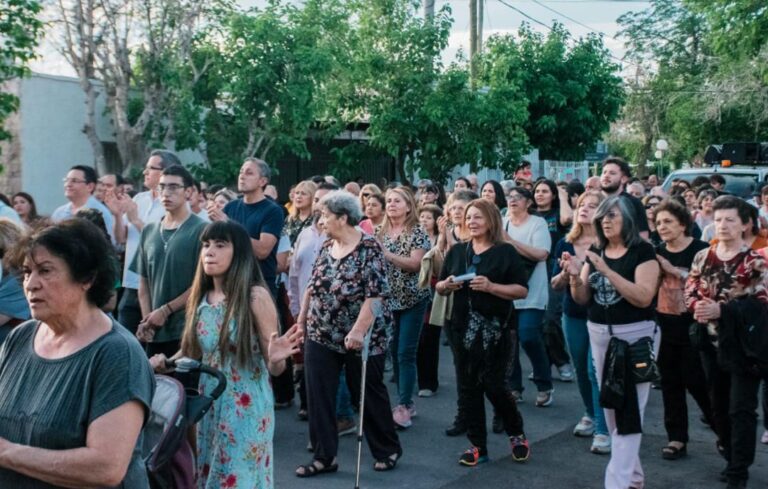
(387, 463)
(316, 467)
(671, 452)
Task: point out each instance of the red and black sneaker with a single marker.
(520, 448)
(473, 456)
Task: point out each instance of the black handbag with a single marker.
(641, 355)
(643, 361)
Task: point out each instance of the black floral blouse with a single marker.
(405, 285)
(294, 226)
(337, 291)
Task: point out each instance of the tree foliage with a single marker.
(230, 83)
(701, 75)
(573, 92)
(20, 29)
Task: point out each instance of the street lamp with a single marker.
(662, 146)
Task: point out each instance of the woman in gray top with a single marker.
(76, 386)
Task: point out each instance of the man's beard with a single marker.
(610, 190)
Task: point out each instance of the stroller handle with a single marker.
(187, 365)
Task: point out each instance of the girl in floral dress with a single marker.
(232, 326)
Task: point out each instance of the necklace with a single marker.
(173, 234)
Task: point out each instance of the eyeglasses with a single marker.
(170, 187)
(611, 215)
(366, 194)
(515, 198)
(651, 206)
(73, 180)
(475, 262)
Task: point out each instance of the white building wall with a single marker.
(50, 131)
(52, 117)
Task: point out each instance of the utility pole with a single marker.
(480, 12)
(429, 9)
(472, 42)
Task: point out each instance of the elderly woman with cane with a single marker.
(337, 311)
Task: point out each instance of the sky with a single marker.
(580, 17)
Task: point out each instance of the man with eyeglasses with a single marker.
(79, 185)
(131, 215)
(166, 262)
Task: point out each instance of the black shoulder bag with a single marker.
(641, 355)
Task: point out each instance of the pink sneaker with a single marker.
(401, 416)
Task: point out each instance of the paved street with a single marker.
(558, 459)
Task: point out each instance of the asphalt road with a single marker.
(558, 459)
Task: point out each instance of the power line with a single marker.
(550, 29)
(537, 2)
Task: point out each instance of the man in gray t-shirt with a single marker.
(166, 262)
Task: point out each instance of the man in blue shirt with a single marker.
(259, 215)
(79, 185)
(262, 217)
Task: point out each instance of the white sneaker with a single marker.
(764, 438)
(426, 393)
(601, 444)
(566, 373)
(585, 427)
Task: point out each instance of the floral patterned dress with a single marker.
(234, 439)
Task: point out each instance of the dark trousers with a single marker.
(322, 369)
(282, 385)
(460, 405)
(554, 339)
(428, 357)
(734, 400)
(129, 310)
(765, 403)
(681, 371)
(481, 372)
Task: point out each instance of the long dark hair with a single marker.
(32, 206)
(552, 188)
(501, 200)
(242, 275)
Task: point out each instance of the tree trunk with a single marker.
(89, 128)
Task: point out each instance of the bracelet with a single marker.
(575, 283)
(170, 311)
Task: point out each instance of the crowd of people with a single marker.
(613, 283)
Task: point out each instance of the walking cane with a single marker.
(376, 309)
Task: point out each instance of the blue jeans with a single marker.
(344, 399)
(577, 338)
(405, 344)
(529, 331)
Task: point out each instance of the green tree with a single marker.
(573, 92)
(688, 87)
(481, 127)
(20, 29)
(395, 65)
(268, 89)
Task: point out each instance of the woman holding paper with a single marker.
(484, 275)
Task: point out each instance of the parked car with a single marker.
(739, 181)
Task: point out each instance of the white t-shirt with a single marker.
(149, 211)
(534, 232)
